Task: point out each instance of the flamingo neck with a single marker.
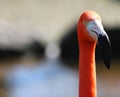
(87, 73)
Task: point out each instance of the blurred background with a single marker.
(39, 49)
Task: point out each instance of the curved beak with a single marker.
(98, 33)
(105, 47)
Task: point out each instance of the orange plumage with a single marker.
(87, 45)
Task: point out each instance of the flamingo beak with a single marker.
(105, 47)
(98, 33)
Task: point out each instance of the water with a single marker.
(51, 79)
(47, 79)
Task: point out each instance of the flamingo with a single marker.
(91, 32)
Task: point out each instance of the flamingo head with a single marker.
(90, 30)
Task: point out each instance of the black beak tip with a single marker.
(105, 46)
(108, 66)
(107, 58)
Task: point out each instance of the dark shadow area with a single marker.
(114, 34)
(7, 53)
(69, 47)
(35, 48)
